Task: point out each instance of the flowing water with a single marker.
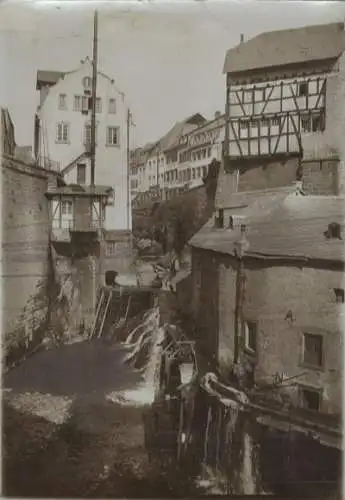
(148, 335)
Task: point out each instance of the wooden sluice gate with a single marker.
(117, 306)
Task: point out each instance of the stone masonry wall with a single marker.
(269, 294)
(320, 177)
(25, 238)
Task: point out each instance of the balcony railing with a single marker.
(74, 225)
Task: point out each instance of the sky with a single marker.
(166, 56)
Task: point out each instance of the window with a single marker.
(339, 295)
(198, 172)
(250, 333)
(112, 106)
(310, 398)
(275, 121)
(305, 123)
(265, 122)
(66, 207)
(312, 349)
(303, 89)
(87, 82)
(81, 174)
(333, 231)
(81, 103)
(113, 136)
(316, 123)
(98, 105)
(87, 134)
(62, 101)
(209, 152)
(244, 124)
(62, 132)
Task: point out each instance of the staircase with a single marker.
(72, 164)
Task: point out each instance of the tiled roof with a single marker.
(48, 77)
(291, 228)
(76, 190)
(291, 46)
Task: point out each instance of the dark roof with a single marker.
(293, 228)
(48, 77)
(291, 46)
(77, 190)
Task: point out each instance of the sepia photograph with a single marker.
(172, 248)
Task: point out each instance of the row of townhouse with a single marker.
(178, 161)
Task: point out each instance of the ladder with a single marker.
(101, 313)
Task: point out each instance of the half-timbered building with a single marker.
(285, 102)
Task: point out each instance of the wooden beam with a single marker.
(240, 103)
(282, 123)
(266, 100)
(321, 92)
(236, 138)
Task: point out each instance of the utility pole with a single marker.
(128, 167)
(93, 98)
(158, 171)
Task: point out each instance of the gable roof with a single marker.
(293, 228)
(290, 46)
(48, 77)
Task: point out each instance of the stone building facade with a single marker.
(292, 313)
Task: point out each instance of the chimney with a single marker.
(242, 38)
(217, 114)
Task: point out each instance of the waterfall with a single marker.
(148, 335)
(248, 472)
(234, 401)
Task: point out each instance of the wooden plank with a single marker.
(105, 314)
(97, 313)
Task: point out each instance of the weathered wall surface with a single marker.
(25, 246)
(270, 292)
(260, 175)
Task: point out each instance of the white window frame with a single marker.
(98, 105)
(66, 207)
(87, 126)
(112, 106)
(62, 101)
(111, 142)
(60, 137)
(81, 103)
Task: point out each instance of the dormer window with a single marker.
(333, 231)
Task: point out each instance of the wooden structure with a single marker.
(77, 209)
(274, 95)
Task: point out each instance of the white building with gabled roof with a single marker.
(63, 135)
